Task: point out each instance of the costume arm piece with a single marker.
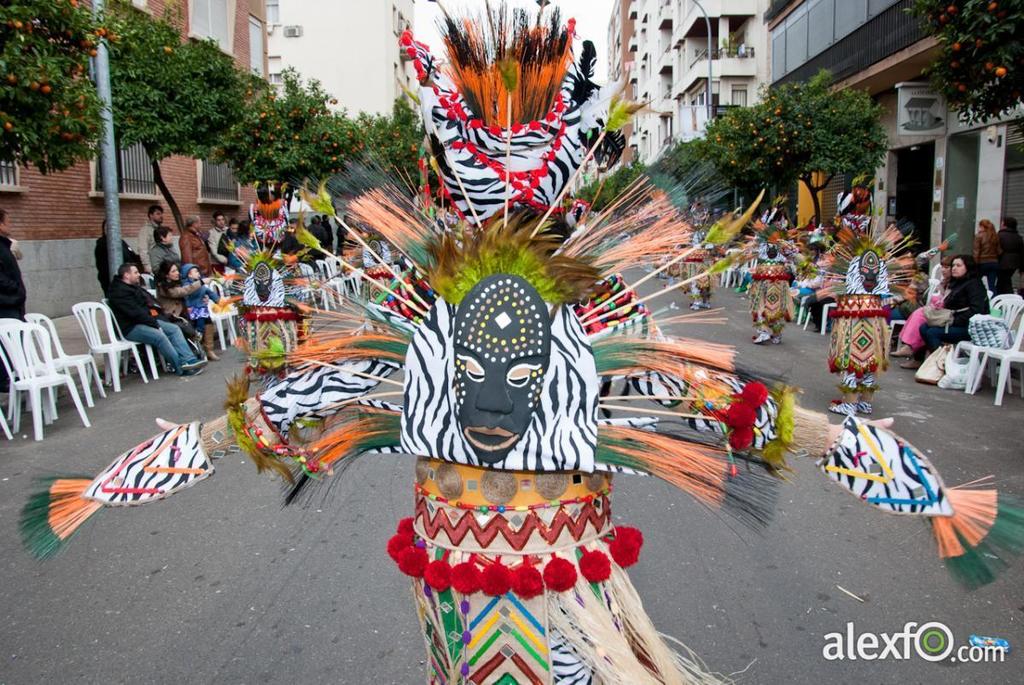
(169, 462)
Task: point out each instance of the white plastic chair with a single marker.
(1010, 306)
(982, 356)
(824, 316)
(29, 351)
(225, 319)
(111, 345)
(10, 401)
(66, 362)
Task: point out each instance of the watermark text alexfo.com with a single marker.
(931, 641)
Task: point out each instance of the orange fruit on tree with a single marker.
(956, 47)
(47, 89)
(1000, 72)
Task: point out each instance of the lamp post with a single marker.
(108, 149)
(707, 21)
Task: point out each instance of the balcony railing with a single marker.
(883, 35)
(134, 172)
(724, 53)
(8, 174)
(218, 182)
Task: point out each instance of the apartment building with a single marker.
(939, 173)
(350, 46)
(56, 218)
(669, 59)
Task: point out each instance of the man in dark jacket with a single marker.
(128, 256)
(12, 288)
(1012, 257)
(139, 316)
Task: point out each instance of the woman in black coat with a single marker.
(967, 296)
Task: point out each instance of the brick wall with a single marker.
(62, 207)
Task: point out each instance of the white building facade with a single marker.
(669, 60)
(350, 46)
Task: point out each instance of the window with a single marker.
(274, 67)
(256, 34)
(210, 20)
(820, 25)
(217, 183)
(8, 175)
(134, 172)
(273, 11)
(739, 97)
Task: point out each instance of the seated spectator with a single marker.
(966, 297)
(171, 294)
(165, 248)
(128, 256)
(198, 307)
(142, 320)
(911, 341)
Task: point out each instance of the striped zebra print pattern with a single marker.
(566, 667)
(659, 384)
(855, 281)
(552, 148)
(161, 466)
(880, 469)
(562, 436)
(316, 393)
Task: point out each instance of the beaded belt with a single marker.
(858, 307)
(771, 272)
(509, 512)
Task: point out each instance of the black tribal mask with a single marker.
(869, 270)
(502, 350)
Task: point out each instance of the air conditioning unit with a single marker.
(292, 31)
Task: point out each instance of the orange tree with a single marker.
(49, 110)
(289, 135)
(292, 135)
(804, 132)
(173, 96)
(980, 67)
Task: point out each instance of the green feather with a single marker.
(514, 260)
(307, 239)
(620, 113)
(37, 536)
(509, 70)
(981, 564)
(319, 200)
(729, 227)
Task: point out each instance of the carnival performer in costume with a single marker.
(518, 569)
(771, 303)
(269, 215)
(697, 264)
(866, 270)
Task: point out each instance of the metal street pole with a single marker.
(108, 149)
(707, 21)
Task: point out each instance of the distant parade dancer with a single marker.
(771, 303)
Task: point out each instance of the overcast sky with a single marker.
(591, 22)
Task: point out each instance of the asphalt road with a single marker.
(220, 585)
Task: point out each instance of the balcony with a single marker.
(666, 61)
(692, 23)
(665, 12)
(692, 120)
(634, 9)
(727, 63)
(634, 43)
(881, 36)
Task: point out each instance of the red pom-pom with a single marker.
(496, 580)
(559, 575)
(466, 578)
(405, 526)
(740, 415)
(398, 544)
(413, 561)
(625, 548)
(527, 582)
(595, 566)
(755, 393)
(438, 575)
(741, 438)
